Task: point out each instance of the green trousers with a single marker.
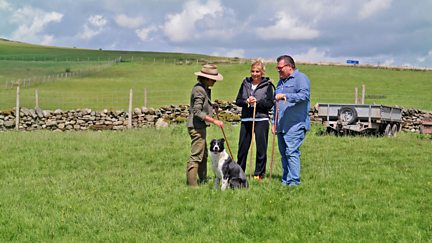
(197, 164)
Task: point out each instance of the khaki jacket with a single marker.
(200, 106)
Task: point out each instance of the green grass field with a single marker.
(122, 186)
(169, 83)
(130, 185)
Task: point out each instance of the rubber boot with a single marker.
(202, 172)
(191, 174)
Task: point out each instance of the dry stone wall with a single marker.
(87, 119)
(412, 119)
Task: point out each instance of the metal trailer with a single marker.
(360, 118)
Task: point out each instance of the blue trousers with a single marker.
(289, 148)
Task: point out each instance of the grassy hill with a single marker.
(12, 50)
(168, 78)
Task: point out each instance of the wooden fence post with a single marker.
(130, 110)
(145, 97)
(36, 99)
(363, 94)
(355, 95)
(17, 109)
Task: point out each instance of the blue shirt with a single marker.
(293, 114)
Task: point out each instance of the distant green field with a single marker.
(168, 80)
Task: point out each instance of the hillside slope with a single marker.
(13, 50)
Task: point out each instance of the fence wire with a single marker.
(119, 100)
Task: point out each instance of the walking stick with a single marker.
(274, 138)
(252, 141)
(223, 132)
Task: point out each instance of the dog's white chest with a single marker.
(218, 160)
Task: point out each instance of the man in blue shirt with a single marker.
(293, 96)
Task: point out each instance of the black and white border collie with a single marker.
(224, 168)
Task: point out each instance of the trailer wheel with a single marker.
(347, 115)
(388, 131)
(331, 131)
(394, 130)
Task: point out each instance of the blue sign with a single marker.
(352, 62)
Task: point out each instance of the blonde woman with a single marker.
(258, 90)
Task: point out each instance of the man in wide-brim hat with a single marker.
(200, 117)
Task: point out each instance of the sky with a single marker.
(376, 32)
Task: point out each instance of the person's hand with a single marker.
(218, 123)
(251, 100)
(280, 97)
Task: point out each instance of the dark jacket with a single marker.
(263, 93)
(200, 106)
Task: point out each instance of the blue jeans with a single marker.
(289, 148)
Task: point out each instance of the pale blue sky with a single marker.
(385, 32)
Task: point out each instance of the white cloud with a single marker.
(129, 22)
(312, 55)
(426, 57)
(230, 53)
(143, 33)
(88, 32)
(373, 7)
(4, 5)
(388, 62)
(47, 40)
(182, 26)
(94, 26)
(421, 59)
(324, 30)
(97, 21)
(31, 22)
(287, 27)
(309, 10)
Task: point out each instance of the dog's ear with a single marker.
(222, 140)
(212, 141)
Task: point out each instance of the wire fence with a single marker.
(115, 100)
(154, 98)
(94, 64)
(27, 82)
(179, 60)
(119, 100)
(40, 58)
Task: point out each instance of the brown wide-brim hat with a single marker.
(210, 71)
